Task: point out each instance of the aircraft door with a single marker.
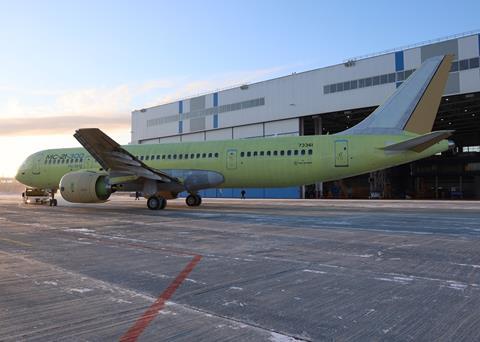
(231, 159)
(341, 153)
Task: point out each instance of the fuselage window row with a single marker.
(276, 153)
(179, 156)
(62, 161)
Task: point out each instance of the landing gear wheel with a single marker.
(193, 200)
(53, 202)
(163, 203)
(155, 203)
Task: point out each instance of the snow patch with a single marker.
(315, 271)
(80, 230)
(48, 282)
(79, 290)
(119, 300)
(456, 286)
(236, 288)
(275, 337)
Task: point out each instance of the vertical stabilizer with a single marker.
(414, 105)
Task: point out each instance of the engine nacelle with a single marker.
(85, 187)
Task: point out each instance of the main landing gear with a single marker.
(53, 201)
(193, 200)
(156, 203)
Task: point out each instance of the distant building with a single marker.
(331, 99)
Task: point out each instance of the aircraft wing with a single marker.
(420, 143)
(115, 159)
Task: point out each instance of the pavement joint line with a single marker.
(23, 244)
(240, 321)
(110, 240)
(141, 324)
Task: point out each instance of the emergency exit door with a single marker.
(231, 159)
(341, 153)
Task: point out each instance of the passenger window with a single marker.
(163, 156)
(289, 153)
(275, 153)
(186, 156)
(216, 155)
(169, 156)
(255, 153)
(147, 157)
(249, 154)
(295, 152)
(310, 152)
(180, 156)
(192, 156)
(174, 156)
(198, 155)
(204, 155)
(158, 157)
(282, 153)
(152, 158)
(242, 154)
(303, 152)
(141, 157)
(269, 153)
(262, 153)
(81, 160)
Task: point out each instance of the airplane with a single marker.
(397, 132)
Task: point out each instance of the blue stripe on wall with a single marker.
(399, 62)
(291, 192)
(215, 99)
(180, 107)
(215, 121)
(180, 127)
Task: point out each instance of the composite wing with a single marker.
(420, 143)
(115, 159)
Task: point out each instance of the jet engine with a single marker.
(85, 187)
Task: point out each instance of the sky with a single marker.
(71, 64)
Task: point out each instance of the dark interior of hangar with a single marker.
(452, 175)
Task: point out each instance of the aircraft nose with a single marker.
(20, 175)
(21, 172)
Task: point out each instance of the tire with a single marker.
(163, 203)
(153, 203)
(199, 200)
(191, 200)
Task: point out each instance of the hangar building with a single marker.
(328, 100)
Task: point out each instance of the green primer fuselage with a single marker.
(305, 159)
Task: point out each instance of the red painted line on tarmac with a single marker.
(136, 330)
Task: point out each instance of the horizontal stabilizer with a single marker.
(420, 143)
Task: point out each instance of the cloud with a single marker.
(46, 112)
(57, 125)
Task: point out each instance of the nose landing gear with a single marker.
(193, 200)
(53, 201)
